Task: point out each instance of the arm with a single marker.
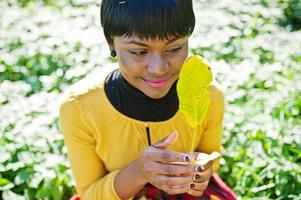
(92, 180)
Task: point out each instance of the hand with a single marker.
(155, 166)
(201, 178)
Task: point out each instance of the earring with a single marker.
(113, 53)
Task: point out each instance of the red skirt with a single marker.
(216, 190)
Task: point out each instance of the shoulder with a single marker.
(85, 91)
(215, 111)
(217, 93)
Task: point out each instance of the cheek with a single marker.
(184, 53)
(124, 60)
(178, 60)
(128, 65)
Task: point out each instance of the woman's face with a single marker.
(151, 66)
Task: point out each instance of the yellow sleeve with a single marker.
(212, 136)
(92, 180)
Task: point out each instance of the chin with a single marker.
(156, 95)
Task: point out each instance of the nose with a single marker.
(158, 65)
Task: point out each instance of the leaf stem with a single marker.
(192, 144)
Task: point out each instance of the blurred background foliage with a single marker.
(254, 48)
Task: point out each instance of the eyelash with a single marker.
(143, 53)
(175, 49)
(138, 53)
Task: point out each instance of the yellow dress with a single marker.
(100, 140)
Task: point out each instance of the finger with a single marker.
(173, 190)
(167, 141)
(166, 156)
(208, 164)
(198, 187)
(171, 181)
(194, 155)
(168, 169)
(203, 176)
(202, 168)
(195, 193)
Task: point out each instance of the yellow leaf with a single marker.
(192, 88)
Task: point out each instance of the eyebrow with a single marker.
(145, 45)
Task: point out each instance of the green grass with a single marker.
(254, 50)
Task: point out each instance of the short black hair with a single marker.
(148, 19)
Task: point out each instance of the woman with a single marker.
(124, 132)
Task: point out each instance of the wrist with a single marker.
(129, 181)
(137, 171)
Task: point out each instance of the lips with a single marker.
(157, 83)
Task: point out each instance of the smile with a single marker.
(157, 83)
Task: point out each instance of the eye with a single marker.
(173, 50)
(139, 53)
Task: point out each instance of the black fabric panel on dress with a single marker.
(133, 103)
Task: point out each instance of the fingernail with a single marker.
(197, 176)
(199, 168)
(186, 159)
(191, 186)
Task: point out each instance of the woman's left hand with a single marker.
(201, 179)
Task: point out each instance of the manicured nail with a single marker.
(186, 159)
(191, 186)
(197, 176)
(199, 168)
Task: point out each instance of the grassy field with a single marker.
(254, 48)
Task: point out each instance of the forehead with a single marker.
(134, 39)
